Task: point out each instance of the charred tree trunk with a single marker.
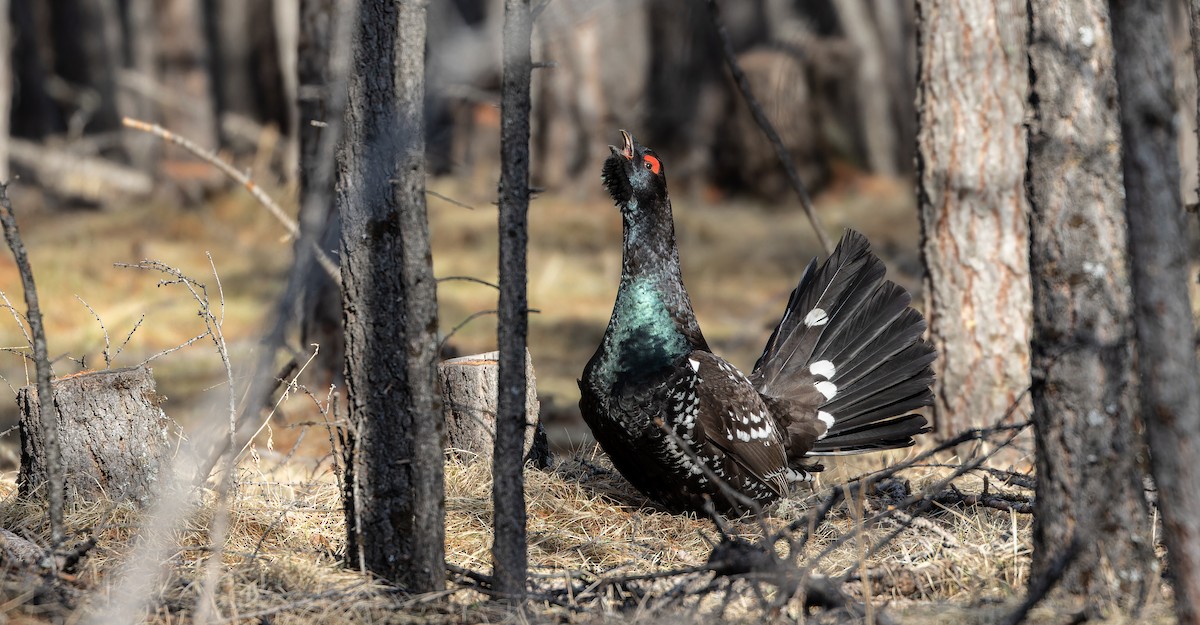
(230, 41)
(139, 95)
(6, 87)
(1089, 482)
(319, 114)
(86, 55)
(390, 304)
(185, 74)
(509, 557)
(1166, 347)
(33, 113)
(971, 147)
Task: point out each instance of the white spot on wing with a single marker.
(816, 317)
(695, 364)
(828, 389)
(823, 368)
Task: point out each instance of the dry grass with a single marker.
(283, 554)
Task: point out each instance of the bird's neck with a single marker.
(653, 315)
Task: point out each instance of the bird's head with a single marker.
(634, 175)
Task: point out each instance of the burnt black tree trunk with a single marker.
(1170, 389)
(509, 556)
(320, 106)
(1089, 482)
(390, 304)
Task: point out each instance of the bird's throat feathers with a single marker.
(644, 333)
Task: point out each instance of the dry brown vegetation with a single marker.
(282, 556)
(588, 529)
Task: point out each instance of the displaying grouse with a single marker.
(838, 375)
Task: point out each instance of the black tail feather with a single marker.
(892, 434)
(865, 340)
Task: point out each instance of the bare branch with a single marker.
(107, 344)
(46, 408)
(263, 198)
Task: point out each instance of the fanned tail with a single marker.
(849, 347)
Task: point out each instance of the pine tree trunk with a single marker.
(390, 304)
(1166, 338)
(1089, 484)
(878, 132)
(185, 74)
(971, 147)
(33, 113)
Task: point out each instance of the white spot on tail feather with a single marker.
(827, 419)
(828, 389)
(816, 317)
(823, 368)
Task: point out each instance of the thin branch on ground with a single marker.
(760, 117)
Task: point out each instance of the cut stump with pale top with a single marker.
(114, 438)
(469, 387)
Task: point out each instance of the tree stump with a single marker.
(469, 388)
(114, 437)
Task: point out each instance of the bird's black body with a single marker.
(837, 375)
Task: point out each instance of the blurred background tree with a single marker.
(836, 77)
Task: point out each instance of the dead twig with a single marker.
(241, 178)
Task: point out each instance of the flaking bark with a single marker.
(971, 150)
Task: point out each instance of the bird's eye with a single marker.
(652, 163)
